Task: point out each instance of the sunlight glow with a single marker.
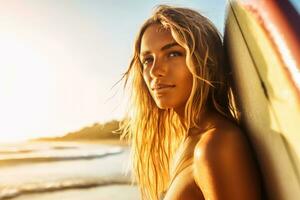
(47, 86)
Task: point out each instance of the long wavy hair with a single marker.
(156, 133)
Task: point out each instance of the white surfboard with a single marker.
(264, 53)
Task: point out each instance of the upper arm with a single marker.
(224, 167)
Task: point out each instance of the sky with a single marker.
(61, 58)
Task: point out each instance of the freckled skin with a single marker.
(167, 66)
(222, 167)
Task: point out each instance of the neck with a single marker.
(181, 115)
(202, 121)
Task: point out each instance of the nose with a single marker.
(158, 69)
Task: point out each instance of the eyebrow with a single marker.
(167, 46)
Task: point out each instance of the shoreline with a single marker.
(92, 193)
(100, 141)
(101, 177)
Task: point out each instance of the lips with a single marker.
(162, 87)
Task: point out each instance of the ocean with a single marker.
(65, 170)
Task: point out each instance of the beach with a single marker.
(65, 170)
(115, 192)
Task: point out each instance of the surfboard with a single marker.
(262, 41)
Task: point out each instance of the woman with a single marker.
(181, 121)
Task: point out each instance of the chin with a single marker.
(164, 105)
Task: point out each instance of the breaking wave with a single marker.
(9, 192)
(53, 158)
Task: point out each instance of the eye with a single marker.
(174, 54)
(147, 60)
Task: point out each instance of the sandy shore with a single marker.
(113, 192)
(108, 175)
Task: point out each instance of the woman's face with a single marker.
(164, 68)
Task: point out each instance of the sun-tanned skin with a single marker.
(223, 164)
(222, 167)
(164, 63)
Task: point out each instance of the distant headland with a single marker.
(107, 133)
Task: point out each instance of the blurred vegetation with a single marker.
(94, 132)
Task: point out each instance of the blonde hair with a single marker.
(155, 133)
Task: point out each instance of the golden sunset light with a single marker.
(52, 76)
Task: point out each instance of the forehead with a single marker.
(155, 37)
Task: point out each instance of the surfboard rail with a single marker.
(263, 45)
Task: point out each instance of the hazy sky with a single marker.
(60, 58)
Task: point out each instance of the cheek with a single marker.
(186, 84)
(190, 81)
(186, 78)
(146, 79)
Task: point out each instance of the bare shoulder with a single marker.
(224, 167)
(220, 140)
